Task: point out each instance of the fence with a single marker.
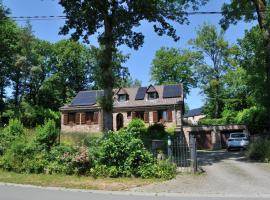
(178, 150)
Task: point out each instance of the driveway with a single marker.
(226, 174)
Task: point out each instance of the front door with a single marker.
(119, 121)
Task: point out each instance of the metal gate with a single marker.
(179, 151)
(183, 153)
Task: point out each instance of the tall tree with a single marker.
(19, 74)
(70, 66)
(250, 10)
(173, 66)
(114, 22)
(218, 59)
(8, 43)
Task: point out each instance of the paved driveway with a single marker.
(227, 174)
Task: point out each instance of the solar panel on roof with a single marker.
(86, 98)
(171, 91)
(141, 93)
(194, 112)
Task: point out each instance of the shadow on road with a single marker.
(210, 157)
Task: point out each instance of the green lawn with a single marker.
(82, 182)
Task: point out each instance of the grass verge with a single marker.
(111, 184)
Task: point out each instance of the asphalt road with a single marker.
(29, 193)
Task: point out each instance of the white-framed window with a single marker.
(122, 97)
(152, 95)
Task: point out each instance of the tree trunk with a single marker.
(107, 75)
(17, 91)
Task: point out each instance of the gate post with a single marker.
(193, 153)
(169, 150)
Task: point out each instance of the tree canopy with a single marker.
(174, 66)
(114, 22)
(250, 10)
(217, 61)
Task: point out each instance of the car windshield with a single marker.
(238, 135)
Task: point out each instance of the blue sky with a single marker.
(140, 61)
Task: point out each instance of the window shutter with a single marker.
(146, 117)
(169, 113)
(82, 118)
(77, 118)
(95, 120)
(133, 115)
(155, 116)
(65, 116)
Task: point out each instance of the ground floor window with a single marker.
(162, 116)
(71, 118)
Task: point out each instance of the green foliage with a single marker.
(14, 129)
(10, 133)
(156, 131)
(35, 115)
(170, 130)
(218, 55)
(259, 150)
(46, 135)
(23, 156)
(207, 121)
(124, 152)
(136, 126)
(118, 154)
(163, 169)
(173, 66)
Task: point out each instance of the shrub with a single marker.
(46, 135)
(14, 130)
(60, 160)
(22, 156)
(163, 169)
(137, 127)
(123, 152)
(170, 130)
(156, 131)
(259, 150)
(81, 161)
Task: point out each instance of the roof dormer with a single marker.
(122, 95)
(152, 93)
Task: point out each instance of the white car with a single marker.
(237, 141)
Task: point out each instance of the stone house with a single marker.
(153, 104)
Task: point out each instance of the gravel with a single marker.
(226, 174)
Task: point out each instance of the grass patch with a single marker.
(78, 182)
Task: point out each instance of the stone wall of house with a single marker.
(176, 120)
(175, 114)
(82, 128)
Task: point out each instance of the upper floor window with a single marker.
(122, 97)
(152, 95)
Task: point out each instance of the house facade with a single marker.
(152, 104)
